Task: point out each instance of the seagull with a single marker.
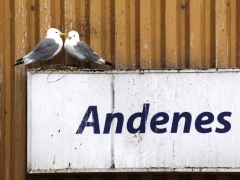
(45, 49)
(81, 51)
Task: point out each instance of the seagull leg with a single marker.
(78, 64)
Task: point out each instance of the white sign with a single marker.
(134, 121)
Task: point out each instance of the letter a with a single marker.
(94, 124)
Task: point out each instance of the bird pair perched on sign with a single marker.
(52, 45)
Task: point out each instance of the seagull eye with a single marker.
(56, 32)
(73, 35)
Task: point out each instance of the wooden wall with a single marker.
(132, 34)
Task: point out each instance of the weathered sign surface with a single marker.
(134, 121)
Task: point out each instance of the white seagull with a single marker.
(45, 49)
(81, 51)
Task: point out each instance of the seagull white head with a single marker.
(53, 32)
(73, 35)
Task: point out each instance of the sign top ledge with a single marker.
(75, 70)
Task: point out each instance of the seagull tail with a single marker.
(18, 62)
(108, 63)
(102, 61)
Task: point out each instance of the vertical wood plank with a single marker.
(196, 34)
(8, 88)
(172, 177)
(159, 177)
(56, 12)
(187, 33)
(108, 34)
(184, 177)
(212, 33)
(196, 177)
(158, 47)
(223, 38)
(19, 116)
(45, 19)
(183, 29)
(152, 62)
(222, 177)
(146, 44)
(95, 177)
(122, 177)
(70, 18)
(121, 34)
(84, 20)
(233, 177)
(172, 33)
(134, 34)
(3, 172)
(6, 71)
(233, 21)
(163, 34)
(70, 178)
(238, 33)
(97, 29)
(33, 27)
(207, 29)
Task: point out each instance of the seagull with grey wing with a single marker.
(81, 51)
(45, 49)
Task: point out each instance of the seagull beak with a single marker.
(62, 34)
(69, 37)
